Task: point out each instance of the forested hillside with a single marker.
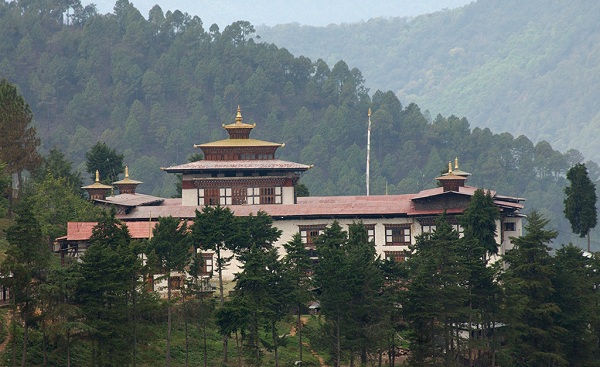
(525, 67)
(151, 88)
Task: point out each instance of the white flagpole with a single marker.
(368, 150)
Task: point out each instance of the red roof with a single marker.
(262, 164)
(81, 231)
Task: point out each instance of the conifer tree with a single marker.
(330, 275)
(169, 249)
(24, 270)
(580, 203)
(108, 269)
(216, 228)
(535, 336)
(576, 294)
(297, 264)
(106, 160)
(477, 246)
(18, 140)
(435, 296)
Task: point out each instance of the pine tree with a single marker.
(580, 203)
(478, 245)
(575, 284)
(105, 160)
(108, 270)
(297, 264)
(24, 270)
(18, 140)
(435, 299)
(216, 228)
(169, 248)
(535, 337)
(330, 276)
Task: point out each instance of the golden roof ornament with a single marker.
(97, 184)
(459, 172)
(369, 111)
(127, 180)
(239, 124)
(449, 167)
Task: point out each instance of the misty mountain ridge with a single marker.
(529, 68)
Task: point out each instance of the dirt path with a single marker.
(304, 320)
(8, 334)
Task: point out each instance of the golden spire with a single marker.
(369, 111)
(456, 163)
(450, 167)
(238, 117)
(97, 176)
(126, 172)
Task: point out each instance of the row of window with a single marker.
(235, 157)
(395, 234)
(240, 196)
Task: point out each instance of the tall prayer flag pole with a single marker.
(368, 150)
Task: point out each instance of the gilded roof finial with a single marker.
(238, 117)
(369, 111)
(456, 163)
(126, 172)
(450, 167)
(97, 176)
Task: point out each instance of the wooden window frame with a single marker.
(398, 234)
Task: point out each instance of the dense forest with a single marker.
(524, 68)
(151, 88)
(444, 305)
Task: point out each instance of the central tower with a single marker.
(238, 171)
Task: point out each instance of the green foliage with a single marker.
(106, 161)
(435, 297)
(55, 203)
(532, 312)
(580, 203)
(156, 115)
(18, 140)
(349, 280)
(108, 270)
(503, 65)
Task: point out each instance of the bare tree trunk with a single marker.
(14, 331)
(275, 343)
(338, 345)
(25, 341)
(185, 322)
(299, 332)
(168, 361)
(222, 298)
(239, 349)
(69, 349)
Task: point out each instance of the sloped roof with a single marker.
(132, 200)
(239, 143)
(82, 231)
(268, 164)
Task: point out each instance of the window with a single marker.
(459, 229)
(225, 196)
(510, 226)
(395, 256)
(428, 228)
(310, 233)
(238, 195)
(253, 195)
(208, 197)
(370, 232)
(207, 263)
(397, 235)
(270, 195)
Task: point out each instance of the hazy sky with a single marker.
(273, 12)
